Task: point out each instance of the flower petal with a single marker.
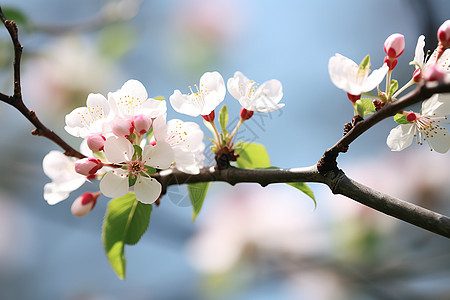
(419, 56)
(185, 161)
(118, 149)
(238, 84)
(439, 141)
(160, 128)
(159, 156)
(147, 189)
(114, 184)
(98, 105)
(213, 81)
(342, 72)
(374, 79)
(181, 103)
(401, 137)
(128, 99)
(436, 105)
(154, 108)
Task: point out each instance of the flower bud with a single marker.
(412, 116)
(96, 142)
(394, 45)
(246, 114)
(84, 204)
(122, 127)
(434, 73)
(142, 124)
(210, 117)
(88, 166)
(444, 34)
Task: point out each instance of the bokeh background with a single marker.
(248, 242)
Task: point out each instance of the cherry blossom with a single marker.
(354, 79)
(186, 140)
(252, 97)
(203, 99)
(421, 62)
(61, 170)
(424, 126)
(120, 151)
(89, 120)
(132, 100)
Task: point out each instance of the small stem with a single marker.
(238, 125)
(407, 85)
(388, 81)
(216, 134)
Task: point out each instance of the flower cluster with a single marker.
(126, 138)
(424, 126)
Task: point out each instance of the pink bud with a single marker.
(88, 166)
(210, 117)
(417, 76)
(444, 34)
(96, 142)
(394, 45)
(142, 124)
(84, 204)
(412, 116)
(122, 127)
(246, 114)
(353, 98)
(434, 73)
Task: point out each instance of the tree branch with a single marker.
(16, 99)
(334, 178)
(424, 91)
(337, 181)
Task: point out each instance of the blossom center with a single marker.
(198, 98)
(135, 167)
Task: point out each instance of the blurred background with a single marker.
(248, 242)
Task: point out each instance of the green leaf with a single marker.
(303, 187)
(137, 153)
(365, 63)
(393, 87)
(364, 107)
(132, 179)
(197, 194)
(252, 156)
(125, 222)
(223, 118)
(150, 170)
(401, 119)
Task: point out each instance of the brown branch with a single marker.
(421, 93)
(16, 99)
(334, 178)
(337, 181)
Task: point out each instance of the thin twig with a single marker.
(421, 93)
(16, 99)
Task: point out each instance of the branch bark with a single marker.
(337, 181)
